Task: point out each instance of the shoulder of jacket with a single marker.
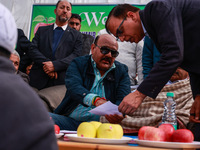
(120, 66)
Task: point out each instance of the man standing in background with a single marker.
(53, 48)
(75, 23)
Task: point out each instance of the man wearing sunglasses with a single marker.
(92, 80)
(75, 23)
(174, 27)
(130, 55)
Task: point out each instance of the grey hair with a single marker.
(16, 54)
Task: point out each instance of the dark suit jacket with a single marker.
(22, 47)
(40, 51)
(174, 26)
(87, 42)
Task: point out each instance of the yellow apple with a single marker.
(96, 124)
(86, 129)
(118, 131)
(106, 130)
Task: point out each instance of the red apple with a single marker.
(154, 134)
(141, 132)
(39, 25)
(183, 135)
(57, 129)
(169, 130)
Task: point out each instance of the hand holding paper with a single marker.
(106, 109)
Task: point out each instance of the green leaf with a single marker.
(39, 18)
(51, 19)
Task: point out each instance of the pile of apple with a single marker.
(95, 129)
(165, 132)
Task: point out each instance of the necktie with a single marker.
(57, 35)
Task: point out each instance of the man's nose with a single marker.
(65, 10)
(109, 54)
(74, 26)
(122, 38)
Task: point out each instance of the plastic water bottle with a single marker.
(169, 115)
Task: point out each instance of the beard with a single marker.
(62, 19)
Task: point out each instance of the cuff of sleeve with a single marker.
(88, 99)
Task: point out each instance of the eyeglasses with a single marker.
(118, 32)
(105, 50)
(76, 23)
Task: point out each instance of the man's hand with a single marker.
(53, 75)
(195, 110)
(131, 102)
(180, 74)
(116, 119)
(48, 67)
(99, 102)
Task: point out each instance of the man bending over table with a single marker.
(92, 80)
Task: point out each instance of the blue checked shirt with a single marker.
(81, 112)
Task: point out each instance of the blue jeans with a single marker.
(64, 122)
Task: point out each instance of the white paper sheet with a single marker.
(106, 109)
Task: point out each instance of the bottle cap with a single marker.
(170, 94)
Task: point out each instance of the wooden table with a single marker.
(69, 145)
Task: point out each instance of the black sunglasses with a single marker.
(72, 23)
(118, 32)
(105, 50)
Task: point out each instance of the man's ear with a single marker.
(92, 48)
(132, 15)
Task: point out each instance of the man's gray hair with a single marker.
(16, 54)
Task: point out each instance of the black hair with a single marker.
(96, 39)
(60, 1)
(77, 16)
(120, 11)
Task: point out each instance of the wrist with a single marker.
(94, 98)
(197, 97)
(97, 99)
(140, 94)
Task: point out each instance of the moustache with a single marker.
(106, 59)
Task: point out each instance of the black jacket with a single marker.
(174, 27)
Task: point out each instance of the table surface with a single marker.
(70, 145)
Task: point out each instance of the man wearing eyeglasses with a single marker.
(75, 23)
(92, 80)
(174, 27)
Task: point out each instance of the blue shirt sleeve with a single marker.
(88, 99)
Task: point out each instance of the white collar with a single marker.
(63, 27)
(145, 31)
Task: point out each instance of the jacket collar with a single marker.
(148, 27)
